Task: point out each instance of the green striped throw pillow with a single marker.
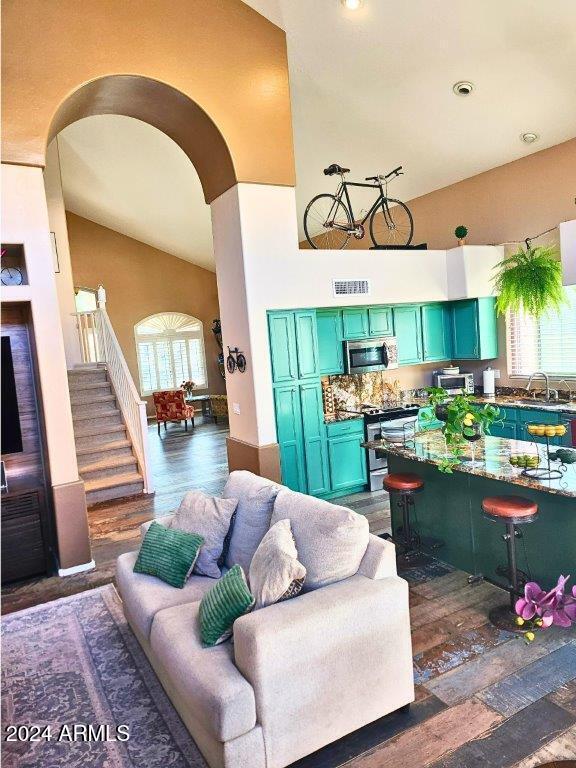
(228, 599)
(169, 554)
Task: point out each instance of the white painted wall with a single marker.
(568, 251)
(64, 279)
(25, 220)
(259, 224)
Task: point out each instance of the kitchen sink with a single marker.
(542, 403)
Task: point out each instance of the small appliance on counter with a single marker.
(488, 381)
(371, 355)
(454, 383)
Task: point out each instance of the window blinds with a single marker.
(545, 344)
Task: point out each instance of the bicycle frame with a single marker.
(342, 190)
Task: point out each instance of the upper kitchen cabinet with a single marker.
(380, 321)
(293, 345)
(306, 344)
(474, 329)
(436, 335)
(283, 346)
(330, 334)
(408, 327)
(355, 323)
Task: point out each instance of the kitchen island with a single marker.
(449, 509)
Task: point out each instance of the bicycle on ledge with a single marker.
(329, 220)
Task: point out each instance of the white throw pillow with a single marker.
(210, 517)
(275, 572)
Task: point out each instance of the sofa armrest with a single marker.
(327, 662)
(379, 560)
(162, 520)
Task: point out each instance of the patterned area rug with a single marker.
(75, 661)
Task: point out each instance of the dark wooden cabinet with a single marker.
(26, 534)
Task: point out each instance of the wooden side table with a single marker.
(204, 400)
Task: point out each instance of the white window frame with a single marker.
(519, 322)
(170, 336)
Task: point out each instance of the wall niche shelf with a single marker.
(13, 265)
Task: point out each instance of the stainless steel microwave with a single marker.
(370, 355)
(455, 383)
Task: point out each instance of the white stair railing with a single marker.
(99, 344)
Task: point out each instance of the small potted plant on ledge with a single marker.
(461, 231)
(463, 421)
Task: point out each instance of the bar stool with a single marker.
(406, 485)
(513, 511)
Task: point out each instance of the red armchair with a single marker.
(171, 406)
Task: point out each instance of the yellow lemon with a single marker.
(539, 430)
(550, 431)
(560, 430)
(532, 429)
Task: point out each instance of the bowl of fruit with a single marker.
(524, 460)
(546, 430)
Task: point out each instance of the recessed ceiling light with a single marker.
(463, 88)
(351, 5)
(530, 137)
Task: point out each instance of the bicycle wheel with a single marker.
(393, 226)
(321, 213)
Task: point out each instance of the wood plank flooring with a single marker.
(484, 699)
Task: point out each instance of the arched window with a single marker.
(170, 349)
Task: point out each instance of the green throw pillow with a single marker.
(169, 554)
(228, 599)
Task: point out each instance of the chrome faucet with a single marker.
(546, 379)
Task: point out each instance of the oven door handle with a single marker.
(385, 358)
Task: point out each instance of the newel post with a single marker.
(101, 297)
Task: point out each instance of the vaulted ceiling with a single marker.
(371, 89)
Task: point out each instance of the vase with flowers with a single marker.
(538, 609)
(188, 387)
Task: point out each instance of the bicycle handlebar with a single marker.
(396, 172)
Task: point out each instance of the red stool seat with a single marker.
(403, 481)
(509, 506)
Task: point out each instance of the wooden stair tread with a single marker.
(100, 483)
(112, 445)
(100, 429)
(84, 415)
(94, 399)
(111, 463)
(81, 386)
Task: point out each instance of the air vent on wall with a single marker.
(351, 287)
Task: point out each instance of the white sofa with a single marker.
(299, 674)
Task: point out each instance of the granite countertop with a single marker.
(515, 402)
(330, 418)
(492, 459)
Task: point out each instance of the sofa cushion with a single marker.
(256, 497)
(207, 679)
(210, 517)
(275, 572)
(144, 595)
(228, 599)
(168, 554)
(331, 540)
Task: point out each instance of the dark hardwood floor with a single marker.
(483, 697)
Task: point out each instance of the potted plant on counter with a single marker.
(463, 421)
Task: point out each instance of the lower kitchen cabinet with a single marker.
(314, 433)
(347, 462)
(290, 436)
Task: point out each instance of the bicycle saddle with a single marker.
(335, 168)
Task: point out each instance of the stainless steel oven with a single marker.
(370, 355)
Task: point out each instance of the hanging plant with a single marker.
(531, 280)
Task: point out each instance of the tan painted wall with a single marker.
(511, 202)
(223, 55)
(142, 281)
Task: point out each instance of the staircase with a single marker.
(106, 460)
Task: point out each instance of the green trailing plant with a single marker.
(461, 231)
(530, 280)
(462, 418)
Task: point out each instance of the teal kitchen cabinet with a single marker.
(293, 345)
(436, 336)
(355, 323)
(306, 344)
(380, 321)
(474, 330)
(314, 435)
(347, 461)
(408, 327)
(282, 331)
(290, 436)
(330, 347)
